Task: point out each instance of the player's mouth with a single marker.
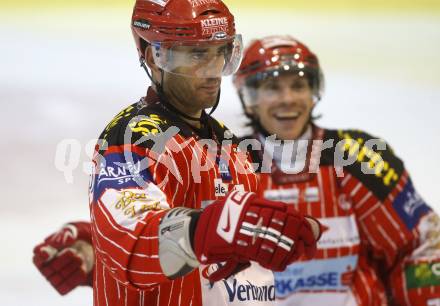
(287, 116)
(211, 88)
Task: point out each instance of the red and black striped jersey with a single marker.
(381, 241)
(148, 161)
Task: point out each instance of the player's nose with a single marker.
(287, 96)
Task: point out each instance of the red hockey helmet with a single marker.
(271, 56)
(175, 27)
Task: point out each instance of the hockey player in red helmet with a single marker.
(379, 233)
(279, 63)
(191, 45)
(175, 222)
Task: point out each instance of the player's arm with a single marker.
(129, 197)
(401, 229)
(66, 257)
(144, 236)
(234, 231)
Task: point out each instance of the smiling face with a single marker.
(283, 105)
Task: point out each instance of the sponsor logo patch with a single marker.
(248, 291)
(120, 174)
(142, 24)
(128, 206)
(422, 275)
(221, 189)
(214, 25)
(253, 284)
(410, 206)
(429, 229)
(114, 172)
(224, 169)
(318, 275)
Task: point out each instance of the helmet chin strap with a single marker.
(202, 119)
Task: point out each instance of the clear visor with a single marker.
(204, 59)
(267, 86)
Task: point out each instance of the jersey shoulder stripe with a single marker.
(136, 124)
(370, 159)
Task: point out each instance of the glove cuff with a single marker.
(176, 235)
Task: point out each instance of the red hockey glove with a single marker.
(66, 257)
(243, 228)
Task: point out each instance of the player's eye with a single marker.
(271, 86)
(199, 54)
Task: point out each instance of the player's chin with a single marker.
(208, 100)
(290, 129)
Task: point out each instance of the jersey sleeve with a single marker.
(401, 231)
(132, 187)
